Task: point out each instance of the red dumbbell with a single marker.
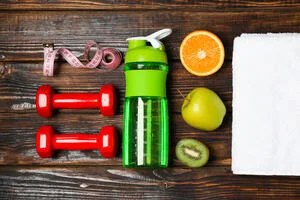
(47, 141)
(46, 100)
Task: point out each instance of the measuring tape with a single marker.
(98, 59)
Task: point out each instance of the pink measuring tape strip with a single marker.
(98, 59)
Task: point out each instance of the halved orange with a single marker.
(202, 53)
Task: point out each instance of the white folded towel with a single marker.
(266, 104)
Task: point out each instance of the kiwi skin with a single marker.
(196, 146)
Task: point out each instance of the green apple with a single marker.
(203, 109)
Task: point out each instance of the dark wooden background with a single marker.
(25, 25)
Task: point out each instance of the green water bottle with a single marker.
(145, 131)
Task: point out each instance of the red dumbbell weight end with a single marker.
(47, 100)
(47, 141)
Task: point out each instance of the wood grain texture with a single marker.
(118, 183)
(25, 25)
(147, 5)
(23, 33)
(21, 81)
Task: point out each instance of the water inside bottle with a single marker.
(146, 126)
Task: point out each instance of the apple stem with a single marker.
(180, 93)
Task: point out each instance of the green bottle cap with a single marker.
(146, 82)
(139, 51)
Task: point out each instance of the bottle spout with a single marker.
(153, 38)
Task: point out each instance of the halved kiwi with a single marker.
(192, 152)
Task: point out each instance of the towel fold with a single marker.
(266, 104)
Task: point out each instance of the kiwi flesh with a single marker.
(192, 153)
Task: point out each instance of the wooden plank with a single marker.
(22, 33)
(17, 146)
(148, 5)
(20, 81)
(19, 120)
(120, 183)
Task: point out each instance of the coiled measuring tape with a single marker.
(99, 58)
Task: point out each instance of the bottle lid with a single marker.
(139, 51)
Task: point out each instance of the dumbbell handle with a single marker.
(76, 141)
(76, 100)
